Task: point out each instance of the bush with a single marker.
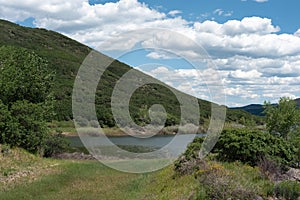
(289, 190)
(189, 162)
(270, 153)
(194, 148)
(82, 122)
(5, 149)
(220, 183)
(94, 124)
(31, 130)
(7, 127)
(26, 101)
(269, 168)
(23, 126)
(55, 144)
(250, 145)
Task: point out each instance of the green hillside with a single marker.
(65, 56)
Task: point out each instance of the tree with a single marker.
(23, 76)
(25, 99)
(283, 118)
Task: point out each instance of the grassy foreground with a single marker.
(28, 177)
(24, 176)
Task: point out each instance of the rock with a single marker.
(258, 198)
(75, 156)
(293, 174)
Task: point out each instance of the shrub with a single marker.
(289, 190)
(269, 168)
(26, 100)
(295, 140)
(7, 126)
(249, 145)
(23, 125)
(220, 183)
(94, 124)
(194, 148)
(5, 149)
(82, 122)
(55, 144)
(189, 162)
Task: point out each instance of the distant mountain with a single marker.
(257, 109)
(65, 56)
(297, 102)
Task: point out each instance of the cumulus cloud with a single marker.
(297, 33)
(245, 74)
(221, 12)
(218, 11)
(253, 58)
(260, 1)
(174, 12)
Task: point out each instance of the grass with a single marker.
(51, 179)
(77, 180)
(165, 185)
(92, 180)
(18, 166)
(223, 180)
(70, 179)
(249, 177)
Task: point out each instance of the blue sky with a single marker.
(253, 46)
(283, 13)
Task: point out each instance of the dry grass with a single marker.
(18, 166)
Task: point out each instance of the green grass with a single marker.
(248, 177)
(165, 185)
(78, 180)
(69, 179)
(92, 180)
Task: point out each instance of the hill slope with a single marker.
(65, 56)
(257, 109)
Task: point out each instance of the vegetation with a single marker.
(64, 57)
(25, 98)
(263, 156)
(55, 144)
(249, 146)
(230, 180)
(287, 189)
(35, 91)
(19, 167)
(282, 118)
(33, 178)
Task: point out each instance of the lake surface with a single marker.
(175, 143)
(155, 141)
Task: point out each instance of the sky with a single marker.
(234, 52)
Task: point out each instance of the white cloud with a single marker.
(297, 33)
(218, 11)
(249, 25)
(228, 14)
(174, 12)
(260, 1)
(221, 12)
(246, 74)
(159, 55)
